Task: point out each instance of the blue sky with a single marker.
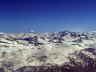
(47, 15)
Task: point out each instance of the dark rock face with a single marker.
(63, 33)
(92, 50)
(28, 39)
(26, 69)
(63, 68)
(2, 70)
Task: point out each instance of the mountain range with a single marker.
(63, 51)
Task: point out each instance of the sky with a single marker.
(47, 15)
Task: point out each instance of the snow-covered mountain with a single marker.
(67, 51)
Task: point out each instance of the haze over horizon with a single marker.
(47, 15)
